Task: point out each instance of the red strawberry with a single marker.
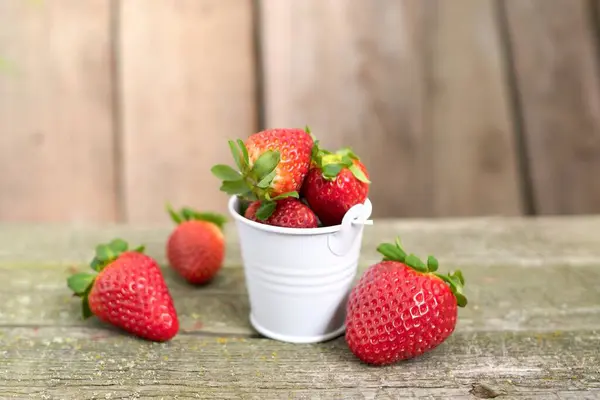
(272, 165)
(401, 307)
(196, 248)
(294, 147)
(289, 213)
(128, 292)
(334, 184)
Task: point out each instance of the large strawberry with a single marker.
(288, 213)
(128, 291)
(196, 247)
(272, 165)
(335, 183)
(401, 307)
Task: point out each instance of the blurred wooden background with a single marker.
(464, 107)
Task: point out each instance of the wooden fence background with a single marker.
(109, 108)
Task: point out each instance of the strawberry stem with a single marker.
(454, 279)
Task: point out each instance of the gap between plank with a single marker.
(259, 80)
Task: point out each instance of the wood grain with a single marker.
(355, 75)
(556, 65)
(56, 137)
(395, 81)
(187, 78)
(513, 269)
(77, 364)
(532, 243)
(531, 329)
(468, 116)
(502, 297)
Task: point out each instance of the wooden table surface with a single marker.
(531, 329)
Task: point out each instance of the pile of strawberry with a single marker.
(400, 308)
(284, 178)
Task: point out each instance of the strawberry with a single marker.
(196, 248)
(401, 307)
(128, 291)
(288, 213)
(335, 183)
(272, 165)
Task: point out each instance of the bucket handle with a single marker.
(355, 218)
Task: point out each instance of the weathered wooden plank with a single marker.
(75, 364)
(354, 74)
(467, 114)
(187, 75)
(56, 137)
(556, 65)
(394, 80)
(530, 242)
(502, 297)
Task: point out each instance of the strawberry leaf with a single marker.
(314, 154)
(225, 173)
(347, 152)
(286, 195)
(415, 262)
(266, 181)
(266, 163)
(457, 275)
(358, 173)
(118, 245)
(86, 312)
(330, 171)
(461, 299)
(432, 263)
(79, 283)
(140, 249)
(248, 196)
(234, 187)
(104, 252)
(96, 264)
(215, 218)
(391, 252)
(455, 279)
(189, 214)
(242, 146)
(108, 252)
(174, 216)
(456, 286)
(265, 210)
(235, 152)
(347, 161)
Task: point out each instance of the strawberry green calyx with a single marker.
(333, 163)
(188, 214)
(81, 283)
(454, 279)
(251, 182)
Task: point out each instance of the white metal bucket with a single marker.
(298, 280)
